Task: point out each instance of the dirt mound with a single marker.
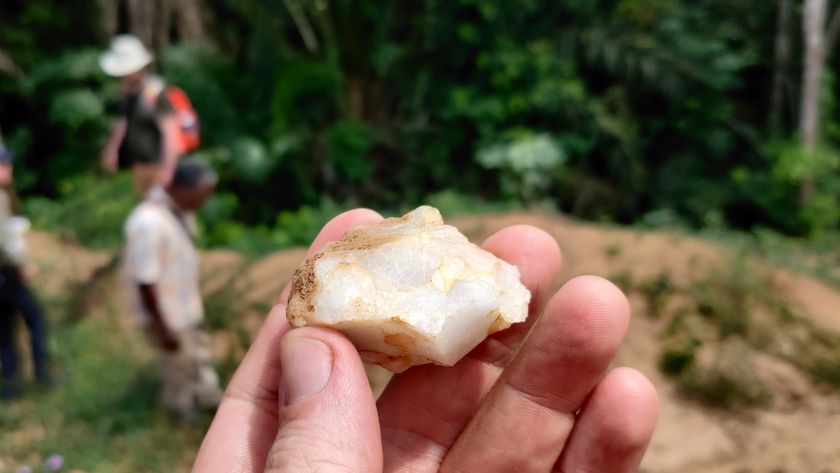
(795, 431)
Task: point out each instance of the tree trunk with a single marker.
(298, 14)
(155, 21)
(141, 20)
(781, 83)
(163, 23)
(189, 17)
(813, 22)
(109, 19)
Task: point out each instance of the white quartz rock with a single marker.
(408, 291)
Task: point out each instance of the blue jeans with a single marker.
(16, 298)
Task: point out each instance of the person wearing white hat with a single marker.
(144, 138)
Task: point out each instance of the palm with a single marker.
(539, 403)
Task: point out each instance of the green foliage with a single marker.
(657, 292)
(624, 280)
(820, 357)
(728, 295)
(208, 78)
(624, 111)
(65, 96)
(74, 108)
(527, 165)
(795, 163)
(299, 228)
(292, 228)
(775, 190)
(724, 317)
(103, 415)
(644, 12)
(728, 381)
(817, 256)
(348, 146)
(305, 95)
(677, 359)
(90, 393)
(225, 303)
(91, 213)
(452, 203)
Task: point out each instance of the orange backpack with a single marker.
(188, 130)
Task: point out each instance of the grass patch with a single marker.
(624, 280)
(817, 256)
(91, 211)
(724, 317)
(679, 357)
(657, 291)
(102, 416)
(728, 314)
(612, 251)
(722, 387)
(728, 297)
(815, 352)
(225, 303)
(726, 381)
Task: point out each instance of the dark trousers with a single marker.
(16, 298)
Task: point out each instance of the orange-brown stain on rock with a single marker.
(304, 285)
(358, 239)
(498, 324)
(396, 364)
(304, 281)
(400, 341)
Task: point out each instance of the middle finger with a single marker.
(526, 418)
(423, 410)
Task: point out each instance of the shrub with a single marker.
(452, 203)
(91, 211)
(729, 294)
(679, 357)
(657, 292)
(727, 381)
(527, 164)
(299, 227)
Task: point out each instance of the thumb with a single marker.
(328, 419)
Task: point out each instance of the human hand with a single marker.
(110, 161)
(539, 403)
(168, 340)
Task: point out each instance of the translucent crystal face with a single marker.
(408, 291)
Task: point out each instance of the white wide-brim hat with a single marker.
(125, 56)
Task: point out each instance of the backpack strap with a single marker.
(153, 86)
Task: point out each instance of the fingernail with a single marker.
(307, 364)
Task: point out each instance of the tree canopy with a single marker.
(624, 110)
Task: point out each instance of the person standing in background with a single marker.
(161, 269)
(145, 136)
(15, 296)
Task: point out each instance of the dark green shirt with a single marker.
(143, 136)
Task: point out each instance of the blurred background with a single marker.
(687, 150)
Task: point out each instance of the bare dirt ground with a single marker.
(799, 431)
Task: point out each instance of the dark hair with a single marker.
(192, 172)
